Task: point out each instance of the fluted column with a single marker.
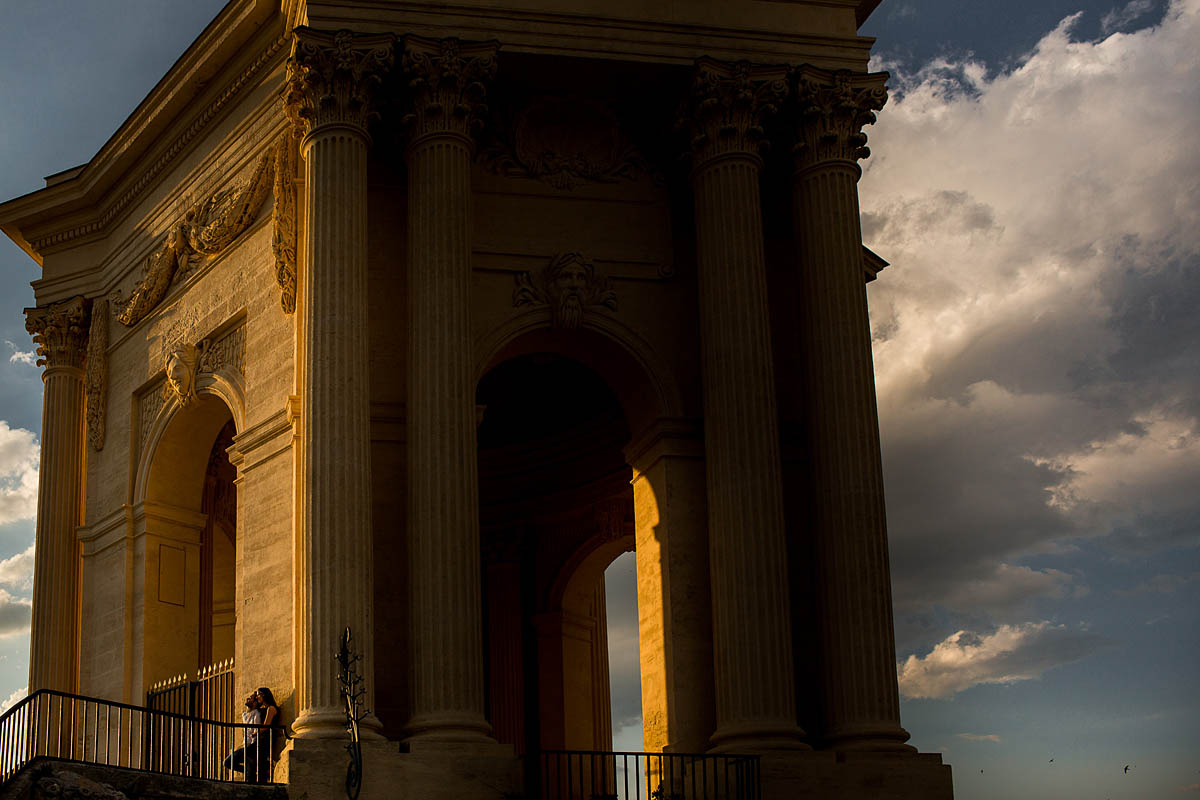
(60, 331)
(861, 707)
(331, 81)
(755, 708)
(447, 80)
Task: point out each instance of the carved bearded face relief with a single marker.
(569, 283)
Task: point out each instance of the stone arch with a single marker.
(218, 394)
(644, 383)
(183, 588)
(661, 456)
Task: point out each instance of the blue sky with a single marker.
(1036, 186)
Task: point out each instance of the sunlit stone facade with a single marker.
(410, 318)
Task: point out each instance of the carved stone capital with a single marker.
(60, 331)
(448, 81)
(728, 105)
(833, 108)
(333, 77)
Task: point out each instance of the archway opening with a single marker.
(556, 509)
(188, 538)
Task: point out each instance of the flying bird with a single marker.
(1126, 769)
(1051, 761)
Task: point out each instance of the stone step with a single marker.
(48, 777)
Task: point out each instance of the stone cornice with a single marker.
(598, 33)
(85, 201)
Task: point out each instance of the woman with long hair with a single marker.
(266, 739)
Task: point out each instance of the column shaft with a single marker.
(331, 77)
(443, 529)
(60, 331)
(858, 665)
(858, 647)
(335, 428)
(751, 629)
(54, 638)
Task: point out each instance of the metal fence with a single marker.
(209, 696)
(94, 731)
(598, 775)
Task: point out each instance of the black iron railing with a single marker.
(598, 775)
(209, 696)
(95, 731)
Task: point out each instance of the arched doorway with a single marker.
(556, 508)
(186, 530)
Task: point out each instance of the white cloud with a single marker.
(19, 356)
(1121, 17)
(14, 698)
(19, 454)
(1036, 350)
(1009, 654)
(979, 737)
(14, 614)
(16, 571)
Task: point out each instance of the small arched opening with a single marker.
(186, 532)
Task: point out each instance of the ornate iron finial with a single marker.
(350, 688)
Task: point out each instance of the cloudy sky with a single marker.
(1035, 184)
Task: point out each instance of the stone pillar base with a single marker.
(315, 769)
(829, 775)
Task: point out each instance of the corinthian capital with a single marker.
(834, 107)
(728, 105)
(333, 76)
(448, 80)
(60, 331)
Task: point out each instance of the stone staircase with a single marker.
(54, 779)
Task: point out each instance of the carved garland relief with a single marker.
(564, 143)
(96, 377)
(212, 225)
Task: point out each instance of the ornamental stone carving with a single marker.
(448, 82)
(333, 77)
(182, 363)
(206, 229)
(833, 108)
(60, 331)
(285, 239)
(569, 285)
(565, 142)
(95, 384)
(728, 105)
(186, 362)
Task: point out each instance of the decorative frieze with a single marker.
(728, 105)
(448, 81)
(95, 383)
(285, 239)
(565, 142)
(206, 229)
(833, 108)
(225, 352)
(569, 285)
(332, 77)
(149, 404)
(60, 331)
